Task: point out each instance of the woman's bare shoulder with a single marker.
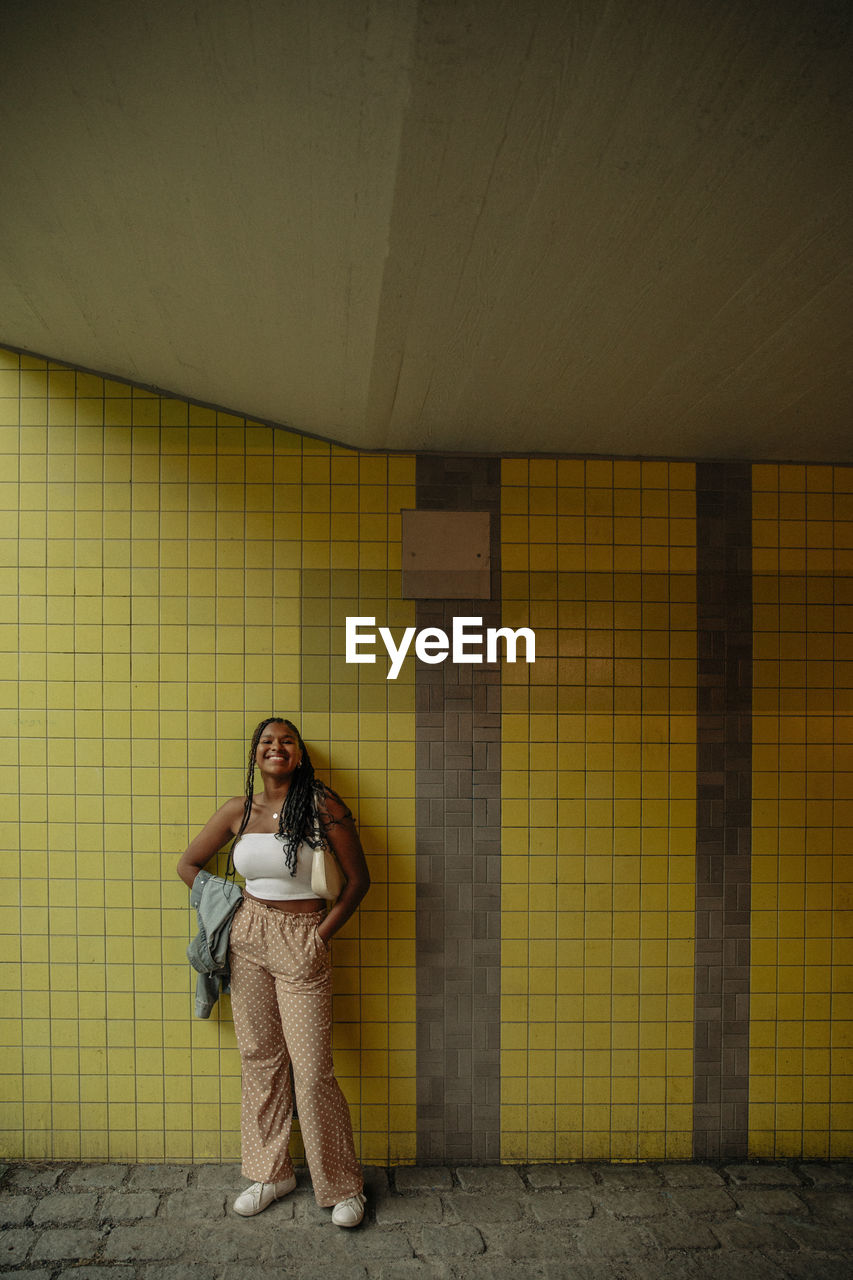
(235, 805)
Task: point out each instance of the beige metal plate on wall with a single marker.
(446, 555)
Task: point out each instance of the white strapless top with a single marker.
(259, 857)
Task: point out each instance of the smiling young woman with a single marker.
(281, 990)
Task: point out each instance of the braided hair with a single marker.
(297, 817)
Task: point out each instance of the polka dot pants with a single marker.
(281, 1000)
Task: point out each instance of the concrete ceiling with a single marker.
(579, 226)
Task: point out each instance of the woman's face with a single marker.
(279, 751)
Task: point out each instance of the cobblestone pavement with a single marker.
(535, 1222)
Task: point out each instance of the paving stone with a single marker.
(72, 1206)
(815, 1266)
(467, 1206)
(528, 1242)
(821, 1175)
(690, 1175)
(127, 1206)
(490, 1267)
(254, 1271)
(415, 1269)
(174, 1271)
(415, 1178)
(36, 1177)
(205, 1205)
(629, 1204)
(14, 1210)
(233, 1238)
(831, 1206)
(392, 1210)
(762, 1175)
(656, 1264)
(542, 1176)
(818, 1235)
(562, 1269)
(15, 1244)
(219, 1177)
(549, 1205)
(733, 1264)
(306, 1209)
(769, 1201)
(600, 1237)
(682, 1233)
(844, 1169)
(559, 1175)
(631, 1177)
(453, 1241)
(285, 1251)
(148, 1241)
(736, 1233)
(30, 1275)
(77, 1243)
(82, 1177)
(489, 1178)
(342, 1271)
(693, 1200)
(376, 1182)
(99, 1273)
(326, 1246)
(158, 1177)
(369, 1243)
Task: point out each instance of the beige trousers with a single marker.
(281, 1000)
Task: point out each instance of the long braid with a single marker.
(296, 821)
(297, 818)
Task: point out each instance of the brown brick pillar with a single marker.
(723, 813)
(458, 831)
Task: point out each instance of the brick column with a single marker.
(723, 815)
(458, 734)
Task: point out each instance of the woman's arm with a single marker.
(343, 837)
(217, 832)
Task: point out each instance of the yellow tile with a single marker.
(514, 471)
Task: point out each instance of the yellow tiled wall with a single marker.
(172, 575)
(801, 1025)
(599, 810)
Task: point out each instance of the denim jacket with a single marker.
(215, 901)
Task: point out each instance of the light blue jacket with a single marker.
(215, 901)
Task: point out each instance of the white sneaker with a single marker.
(261, 1194)
(349, 1212)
